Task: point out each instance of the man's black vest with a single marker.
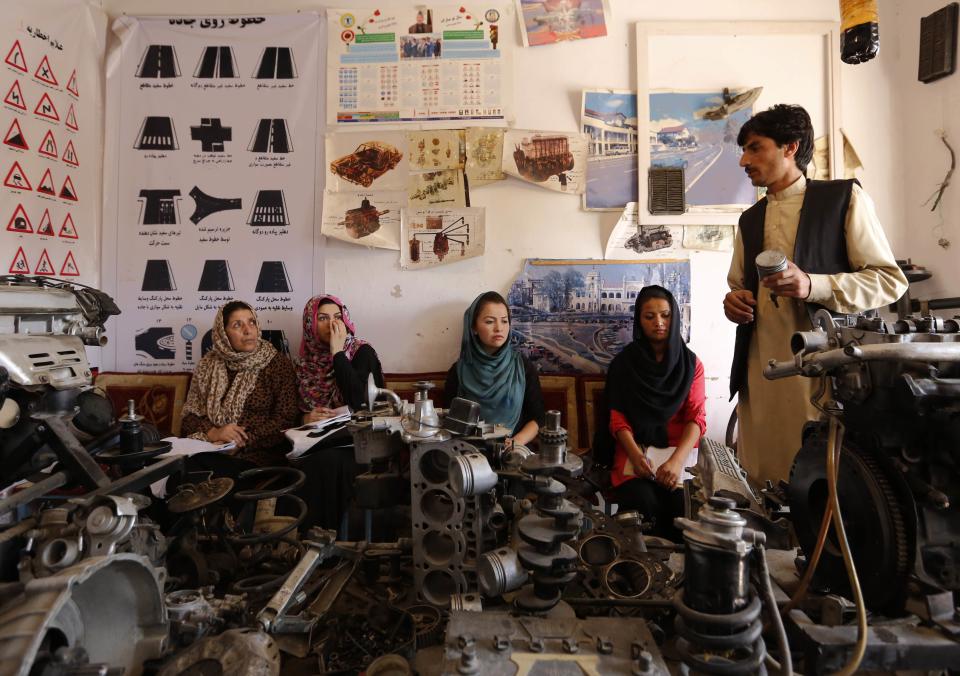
(820, 248)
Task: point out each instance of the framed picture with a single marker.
(682, 71)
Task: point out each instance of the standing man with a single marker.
(838, 257)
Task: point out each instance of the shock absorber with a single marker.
(718, 611)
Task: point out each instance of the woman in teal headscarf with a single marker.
(491, 373)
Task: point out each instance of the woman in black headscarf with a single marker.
(655, 392)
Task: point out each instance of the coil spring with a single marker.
(721, 644)
(297, 479)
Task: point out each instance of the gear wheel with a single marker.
(872, 513)
(429, 625)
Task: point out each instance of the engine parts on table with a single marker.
(544, 534)
(718, 472)
(499, 643)
(447, 527)
(718, 612)
(359, 637)
(195, 613)
(239, 652)
(614, 561)
(108, 525)
(79, 611)
(899, 387)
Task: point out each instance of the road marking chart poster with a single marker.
(50, 79)
(216, 191)
(423, 63)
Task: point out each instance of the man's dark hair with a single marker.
(784, 123)
(488, 298)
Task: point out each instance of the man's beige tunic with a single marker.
(772, 412)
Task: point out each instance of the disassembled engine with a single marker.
(364, 220)
(649, 238)
(368, 162)
(506, 560)
(540, 157)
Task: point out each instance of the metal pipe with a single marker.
(51, 483)
(392, 396)
(936, 304)
(819, 363)
(629, 603)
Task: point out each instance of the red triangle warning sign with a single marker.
(14, 96)
(19, 264)
(68, 230)
(70, 155)
(68, 192)
(48, 146)
(15, 138)
(69, 268)
(46, 184)
(45, 226)
(16, 178)
(20, 222)
(44, 266)
(72, 84)
(46, 109)
(15, 57)
(71, 120)
(44, 73)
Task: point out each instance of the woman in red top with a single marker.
(655, 391)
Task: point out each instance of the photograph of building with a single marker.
(575, 316)
(609, 119)
(680, 136)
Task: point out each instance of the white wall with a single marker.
(414, 318)
(924, 109)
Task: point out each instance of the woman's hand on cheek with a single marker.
(338, 336)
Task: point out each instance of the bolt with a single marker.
(604, 646)
(643, 663)
(469, 663)
(501, 643)
(536, 645)
(570, 646)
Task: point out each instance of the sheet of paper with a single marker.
(186, 447)
(305, 439)
(658, 456)
(630, 241)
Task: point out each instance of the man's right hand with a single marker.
(738, 306)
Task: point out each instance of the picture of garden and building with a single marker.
(571, 316)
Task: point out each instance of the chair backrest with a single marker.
(159, 397)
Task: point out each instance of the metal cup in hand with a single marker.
(770, 262)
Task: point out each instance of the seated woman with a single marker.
(332, 371)
(655, 391)
(334, 364)
(493, 374)
(243, 391)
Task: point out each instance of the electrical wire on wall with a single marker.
(937, 196)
